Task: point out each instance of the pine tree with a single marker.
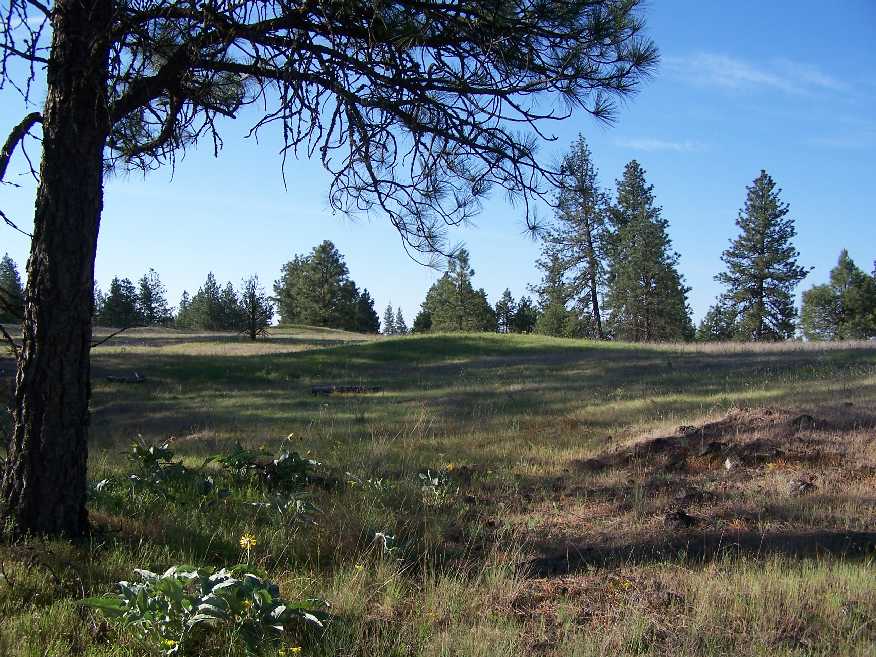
(183, 318)
(554, 293)
(719, 324)
(525, 316)
(422, 322)
(366, 317)
(401, 327)
(316, 290)
(11, 292)
(578, 238)
(230, 315)
(844, 309)
(120, 306)
(505, 310)
(152, 300)
(762, 269)
(647, 298)
(256, 311)
(205, 309)
(452, 302)
(388, 320)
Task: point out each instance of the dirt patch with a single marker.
(757, 481)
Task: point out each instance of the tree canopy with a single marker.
(844, 308)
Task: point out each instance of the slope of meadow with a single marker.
(545, 496)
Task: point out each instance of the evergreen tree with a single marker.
(256, 310)
(120, 306)
(388, 320)
(204, 312)
(647, 298)
(99, 301)
(762, 269)
(452, 302)
(719, 324)
(401, 326)
(554, 293)
(183, 314)
(11, 292)
(578, 239)
(844, 309)
(366, 317)
(422, 322)
(317, 290)
(230, 315)
(525, 316)
(505, 310)
(152, 300)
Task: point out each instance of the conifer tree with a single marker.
(554, 293)
(525, 316)
(11, 292)
(422, 322)
(719, 323)
(183, 313)
(152, 299)
(204, 312)
(647, 298)
(452, 302)
(230, 315)
(316, 289)
(505, 310)
(400, 325)
(578, 237)
(120, 306)
(256, 310)
(762, 269)
(844, 308)
(388, 320)
(366, 317)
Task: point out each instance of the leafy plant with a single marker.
(173, 611)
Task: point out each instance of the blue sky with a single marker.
(743, 86)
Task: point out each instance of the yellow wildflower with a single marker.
(168, 643)
(248, 541)
(451, 467)
(295, 650)
(247, 604)
(359, 567)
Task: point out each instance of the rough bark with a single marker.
(44, 485)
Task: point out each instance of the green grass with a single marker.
(507, 418)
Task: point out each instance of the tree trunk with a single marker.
(44, 486)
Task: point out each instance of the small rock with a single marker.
(732, 463)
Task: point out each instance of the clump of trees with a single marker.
(394, 321)
(126, 304)
(316, 289)
(842, 309)
(762, 272)
(608, 268)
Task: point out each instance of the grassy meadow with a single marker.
(543, 496)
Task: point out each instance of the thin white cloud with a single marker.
(652, 144)
(720, 70)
